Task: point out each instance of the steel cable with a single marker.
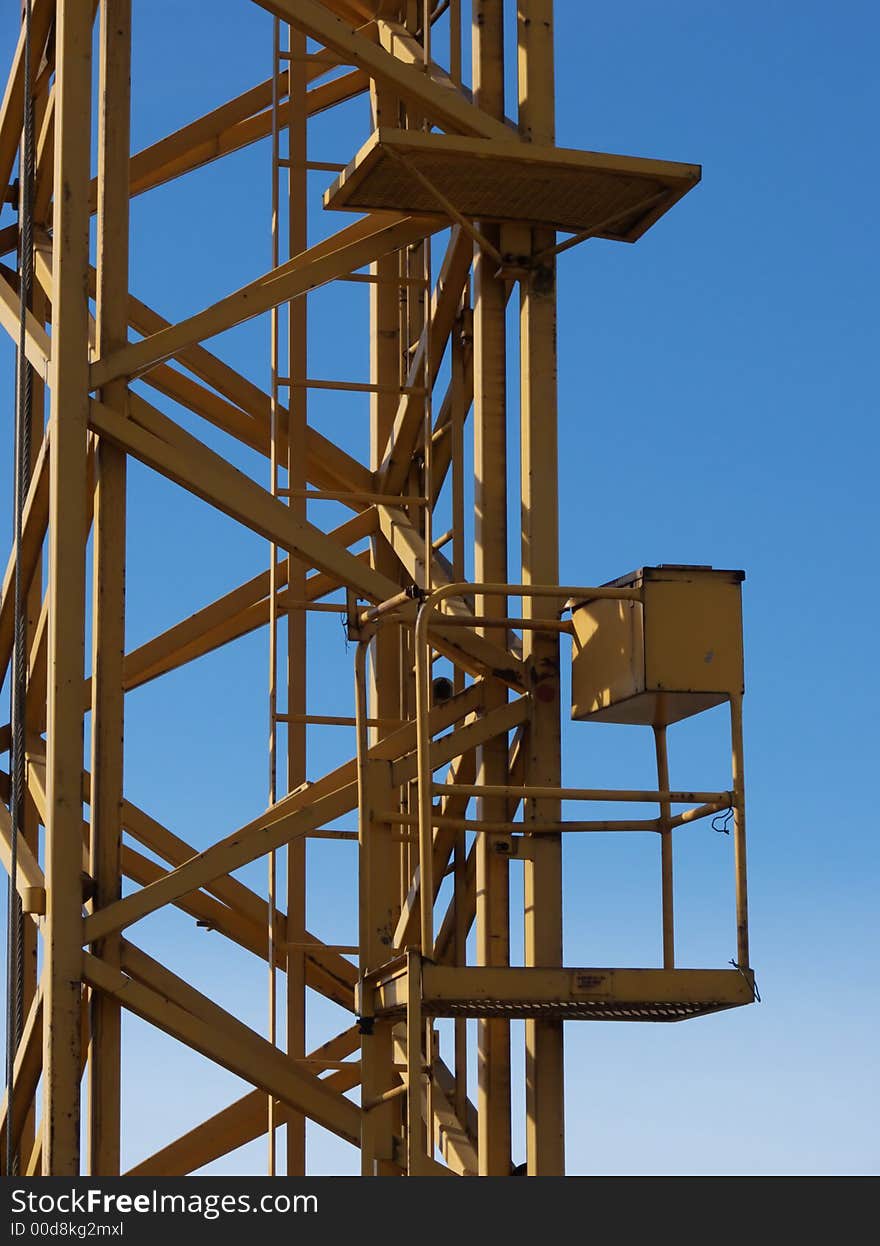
(15, 942)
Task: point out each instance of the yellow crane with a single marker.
(454, 212)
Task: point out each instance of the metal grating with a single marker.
(617, 197)
(569, 1010)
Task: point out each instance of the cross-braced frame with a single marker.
(453, 776)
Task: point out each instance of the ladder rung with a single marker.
(311, 58)
(318, 607)
(358, 387)
(375, 280)
(374, 499)
(316, 166)
(318, 1063)
(333, 720)
(387, 1095)
(344, 949)
(443, 540)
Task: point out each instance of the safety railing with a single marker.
(702, 804)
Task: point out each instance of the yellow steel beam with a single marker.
(380, 858)
(237, 124)
(461, 912)
(231, 909)
(489, 655)
(108, 610)
(12, 105)
(234, 125)
(30, 880)
(490, 564)
(408, 49)
(443, 456)
(441, 101)
(328, 465)
(217, 1035)
(453, 1140)
(240, 408)
(349, 249)
(33, 898)
(227, 1130)
(213, 916)
(403, 438)
(325, 965)
(492, 723)
(44, 171)
(232, 1127)
(463, 770)
(38, 347)
(212, 627)
(234, 614)
(188, 462)
(312, 806)
(545, 1098)
(462, 909)
(68, 509)
(163, 445)
(168, 160)
(35, 521)
(202, 401)
(27, 1069)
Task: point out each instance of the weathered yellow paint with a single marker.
(458, 715)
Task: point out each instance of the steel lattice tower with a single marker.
(455, 769)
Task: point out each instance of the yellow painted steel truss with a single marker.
(451, 778)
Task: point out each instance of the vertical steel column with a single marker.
(417, 1128)
(108, 627)
(416, 266)
(463, 326)
(540, 565)
(67, 540)
(378, 912)
(380, 883)
(490, 564)
(739, 832)
(667, 898)
(35, 710)
(275, 451)
(295, 462)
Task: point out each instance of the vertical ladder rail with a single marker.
(295, 461)
(275, 484)
(426, 1104)
(456, 461)
(287, 646)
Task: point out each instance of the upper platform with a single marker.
(614, 197)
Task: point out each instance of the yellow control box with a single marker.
(676, 652)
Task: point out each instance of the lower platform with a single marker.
(560, 994)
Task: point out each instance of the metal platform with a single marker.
(615, 197)
(564, 994)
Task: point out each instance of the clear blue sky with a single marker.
(717, 405)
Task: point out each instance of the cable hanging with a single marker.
(721, 822)
(756, 994)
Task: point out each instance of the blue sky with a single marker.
(717, 405)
